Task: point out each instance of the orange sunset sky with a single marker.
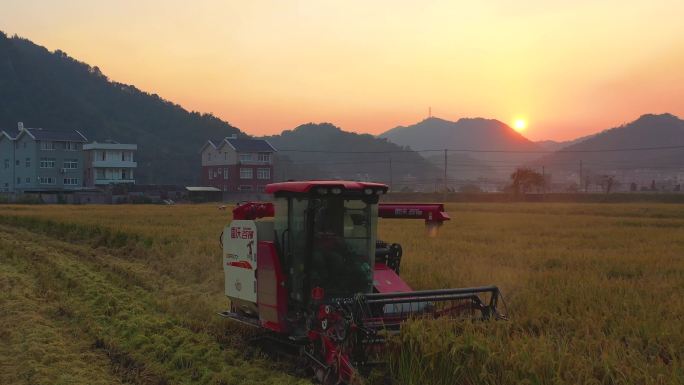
(568, 68)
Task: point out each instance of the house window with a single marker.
(28, 162)
(71, 181)
(209, 156)
(246, 157)
(71, 146)
(28, 180)
(17, 162)
(261, 188)
(46, 180)
(264, 173)
(47, 162)
(47, 145)
(211, 174)
(104, 155)
(100, 173)
(225, 173)
(246, 173)
(225, 156)
(245, 187)
(18, 180)
(71, 163)
(264, 157)
(6, 163)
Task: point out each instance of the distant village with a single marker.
(63, 166)
(56, 166)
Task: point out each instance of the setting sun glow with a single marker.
(270, 65)
(520, 125)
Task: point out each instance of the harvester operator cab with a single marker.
(326, 239)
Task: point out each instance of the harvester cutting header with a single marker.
(318, 279)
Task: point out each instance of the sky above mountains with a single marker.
(568, 69)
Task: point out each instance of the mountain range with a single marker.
(52, 90)
(465, 133)
(597, 153)
(325, 151)
(479, 146)
(553, 145)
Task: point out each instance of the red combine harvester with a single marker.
(320, 282)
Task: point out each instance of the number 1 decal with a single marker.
(251, 253)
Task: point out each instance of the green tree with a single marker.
(524, 180)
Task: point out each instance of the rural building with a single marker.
(237, 165)
(109, 163)
(204, 194)
(36, 159)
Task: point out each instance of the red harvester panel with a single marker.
(385, 280)
(271, 292)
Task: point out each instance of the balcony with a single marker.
(254, 162)
(112, 163)
(113, 181)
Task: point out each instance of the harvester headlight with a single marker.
(322, 190)
(368, 191)
(336, 190)
(379, 192)
(324, 324)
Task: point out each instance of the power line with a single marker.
(484, 164)
(626, 149)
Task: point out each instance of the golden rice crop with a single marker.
(595, 292)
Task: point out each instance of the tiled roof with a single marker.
(11, 132)
(250, 145)
(42, 134)
(59, 136)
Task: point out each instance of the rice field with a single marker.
(128, 294)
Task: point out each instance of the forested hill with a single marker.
(325, 151)
(655, 141)
(52, 90)
(476, 134)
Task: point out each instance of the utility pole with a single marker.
(580, 177)
(544, 180)
(390, 171)
(446, 187)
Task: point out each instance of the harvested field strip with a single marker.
(179, 288)
(124, 320)
(45, 349)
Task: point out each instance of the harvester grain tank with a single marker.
(318, 280)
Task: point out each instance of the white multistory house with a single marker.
(40, 160)
(109, 163)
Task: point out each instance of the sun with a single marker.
(520, 125)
